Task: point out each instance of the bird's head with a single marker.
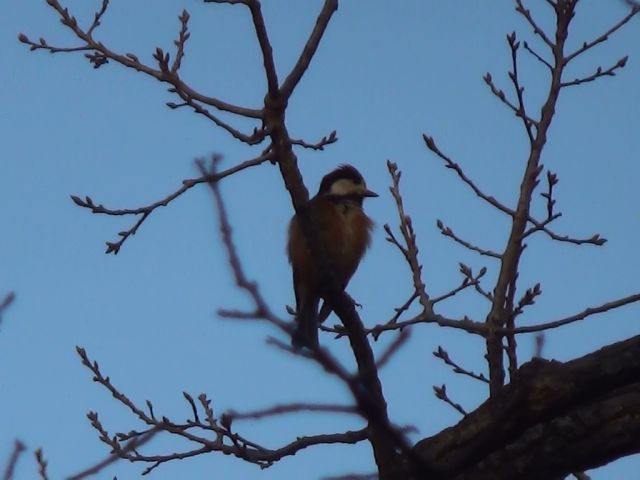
(345, 182)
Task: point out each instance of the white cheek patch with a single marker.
(344, 186)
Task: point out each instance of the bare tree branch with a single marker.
(263, 40)
(537, 225)
(18, 449)
(465, 324)
(635, 8)
(309, 50)
(370, 404)
(324, 141)
(548, 403)
(443, 355)
(468, 280)
(225, 439)
(131, 61)
(516, 414)
(410, 250)
(290, 408)
(447, 232)
(577, 317)
(609, 72)
(393, 348)
(6, 301)
(130, 447)
(144, 212)
(441, 394)
(520, 8)
(521, 112)
(42, 464)
(431, 145)
(537, 56)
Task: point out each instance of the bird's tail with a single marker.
(306, 331)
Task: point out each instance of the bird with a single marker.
(344, 231)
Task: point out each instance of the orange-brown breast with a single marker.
(345, 232)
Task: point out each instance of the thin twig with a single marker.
(410, 248)
(6, 301)
(235, 445)
(130, 60)
(500, 95)
(265, 47)
(42, 464)
(393, 347)
(465, 324)
(145, 211)
(443, 355)
(605, 36)
(18, 450)
(261, 308)
(468, 280)
(309, 50)
(577, 317)
(98, 16)
(431, 145)
(131, 446)
(537, 56)
(441, 394)
(403, 308)
(290, 408)
(609, 72)
(447, 232)
(537, 225)
(527, 122)
(520, 8)
(324, 141)
(262, 37)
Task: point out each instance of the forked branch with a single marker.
(206, 431)
(145, 211)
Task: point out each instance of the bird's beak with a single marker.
(369, 193)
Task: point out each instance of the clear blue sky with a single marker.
(384, 74)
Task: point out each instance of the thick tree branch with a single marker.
(550, 398)
(587, 437)
(506, 284)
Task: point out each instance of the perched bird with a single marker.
(345, 233)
